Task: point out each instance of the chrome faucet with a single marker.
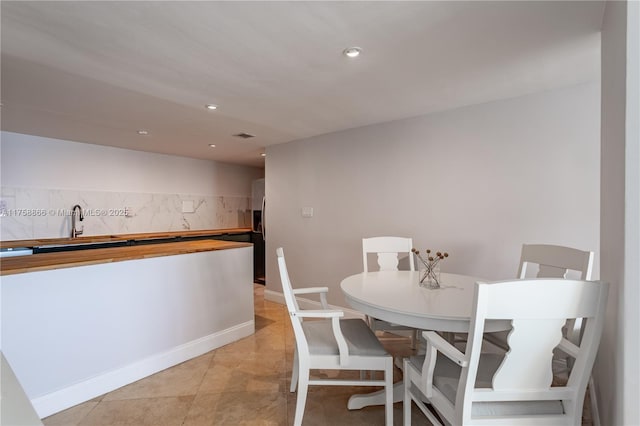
(77, 209)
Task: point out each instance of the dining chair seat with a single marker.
(360, 340)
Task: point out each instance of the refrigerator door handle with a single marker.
(263, 221)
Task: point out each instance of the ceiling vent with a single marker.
(244, 135)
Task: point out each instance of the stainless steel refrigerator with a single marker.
(258, 226)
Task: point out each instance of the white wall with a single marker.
(617, 370)
(48, 176)
(477, 182)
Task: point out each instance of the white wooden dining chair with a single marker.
(388, 250)
(324, 340)
(512, 388)
(553, 262)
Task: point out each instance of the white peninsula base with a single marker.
(76, 333)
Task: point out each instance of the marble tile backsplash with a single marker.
(27, 213)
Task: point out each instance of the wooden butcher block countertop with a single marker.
(120, 237)
(68, 259)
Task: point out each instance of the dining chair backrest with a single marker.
(538, 310)
(287, 289)
(555, 261)
(296, 314)
(387, 249)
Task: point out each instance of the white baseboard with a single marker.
(77, 393)
(277, 297)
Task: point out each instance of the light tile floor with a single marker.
(243, 383)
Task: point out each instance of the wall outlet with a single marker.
(187, 206)
(307, 212)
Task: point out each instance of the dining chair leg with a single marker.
(294, 372)
(301, 399)
(388, 387)
(406, 403)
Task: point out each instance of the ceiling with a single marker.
(97, 72)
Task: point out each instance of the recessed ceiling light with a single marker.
(143, 132)
(263, 154)
(352, 52)
(212, 145)
(211, 106)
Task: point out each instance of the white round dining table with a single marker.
(396, 297)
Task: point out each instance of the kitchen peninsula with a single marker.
(77, 323)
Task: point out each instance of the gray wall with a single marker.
(617, 372)
(477, 182)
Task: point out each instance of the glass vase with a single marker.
(433, 277)
(428, 275)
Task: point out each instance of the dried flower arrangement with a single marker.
(431, 272)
